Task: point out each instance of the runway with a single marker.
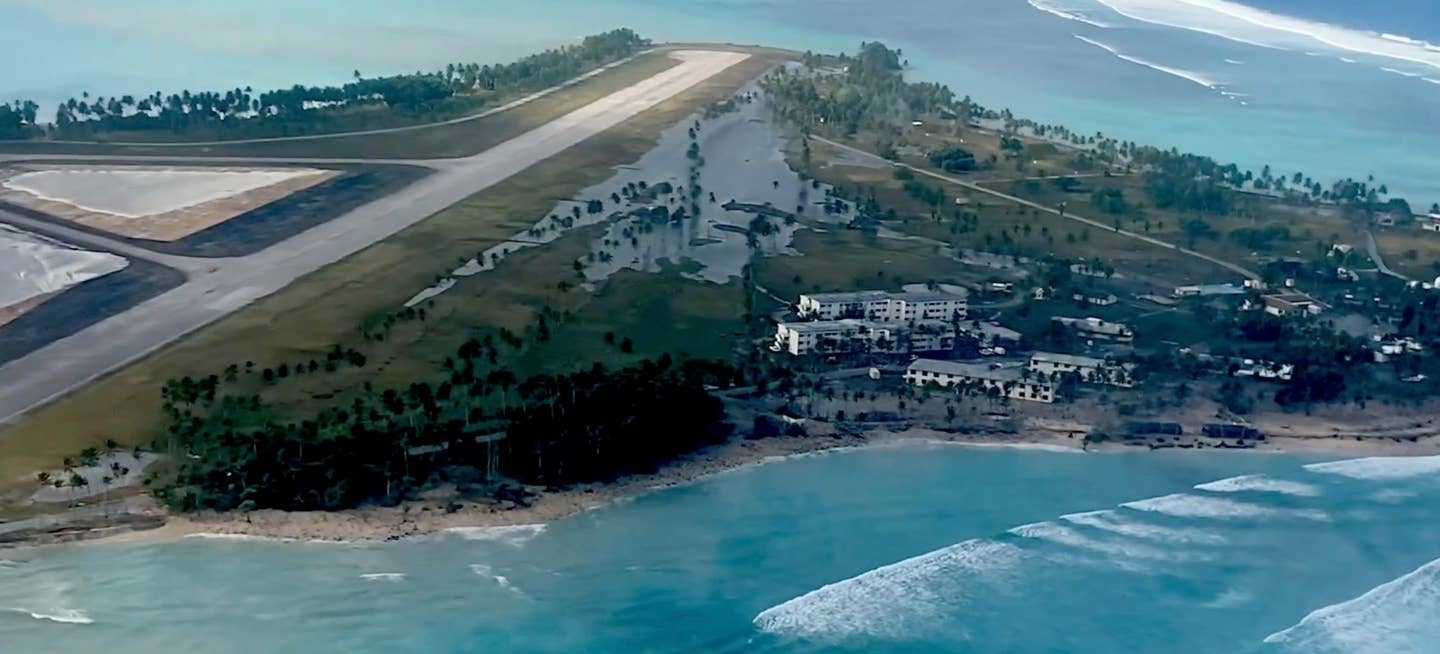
(219, 287)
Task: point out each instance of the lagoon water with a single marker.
(1330, 88)
(920, 548)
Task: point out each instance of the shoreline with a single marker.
(429, 516)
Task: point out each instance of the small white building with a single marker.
(1009, 381)
(883, 306)
(851, 335)
(1051, 365)
(1095, 328)
(1291, 304)
(1096, 300)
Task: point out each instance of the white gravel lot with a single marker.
(32, 265)
(141, 192)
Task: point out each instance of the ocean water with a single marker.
(921, 548)
(1329, 88)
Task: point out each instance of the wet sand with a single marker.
(426, 517)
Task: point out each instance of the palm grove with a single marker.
(362, 103)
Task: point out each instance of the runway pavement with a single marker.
(222, 286)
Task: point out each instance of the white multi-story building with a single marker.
(1050, 365)
(1009, 381)
(852, 335)
(883, 306)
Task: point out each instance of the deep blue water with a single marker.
(913, 549)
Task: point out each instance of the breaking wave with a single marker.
(513, 535)
(1188, 75)
(62, 616)
(1198, 506)
(896, 600)
(392, 577)
(1067, 13)
(1111, 521)
(1380, 467)
(1397, 617)
(1237, 22)
(1261, 484)
(1062, 535)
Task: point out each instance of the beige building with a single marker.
(1050, 365)
(1013, 382)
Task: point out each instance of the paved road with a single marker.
(369, 132)
(69, 363)
(188, 265)
(1035, 205)
(1373, 249)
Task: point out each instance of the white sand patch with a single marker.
(141, 192)
(32, 266)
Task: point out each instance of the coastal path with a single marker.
(1249, 274)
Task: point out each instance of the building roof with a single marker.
(1210, 289)
(852, 297)
(1296, 299)
(1095, 325)
(991, 330)
(975, 370)
(823, 326)
(847, 297)
(1068, 359)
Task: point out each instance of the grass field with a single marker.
(457, 140)
(1411, 252)
(329, 306)
(1002, 226)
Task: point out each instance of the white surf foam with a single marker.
(1118, 549)
(1397, 617)
(1067, 13)
(1236, 62)
(1397, 71)
(513, 535)
(1431, 80)
(1031, 447)
(1260, 484)
(1112, 522)
(1237, 22)
(1217, 508)
(391, 577)
(1188, 75)
(892, 601)
(62, 616)
(482, 570)
(1380, 468)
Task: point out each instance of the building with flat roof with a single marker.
(853, 335)
(1096, 328)
(1013, 381)
(883, 306)
(1051, 365)
(1291, 304)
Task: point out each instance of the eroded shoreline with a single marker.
(427, 517)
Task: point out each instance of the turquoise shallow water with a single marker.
(910, 549)
(1168, 72)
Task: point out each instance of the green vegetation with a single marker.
(365, 103)
(595, 425)
(331, 306)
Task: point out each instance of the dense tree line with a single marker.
(382, 445)
(454, 89)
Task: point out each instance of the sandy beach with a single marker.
(440, 510)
